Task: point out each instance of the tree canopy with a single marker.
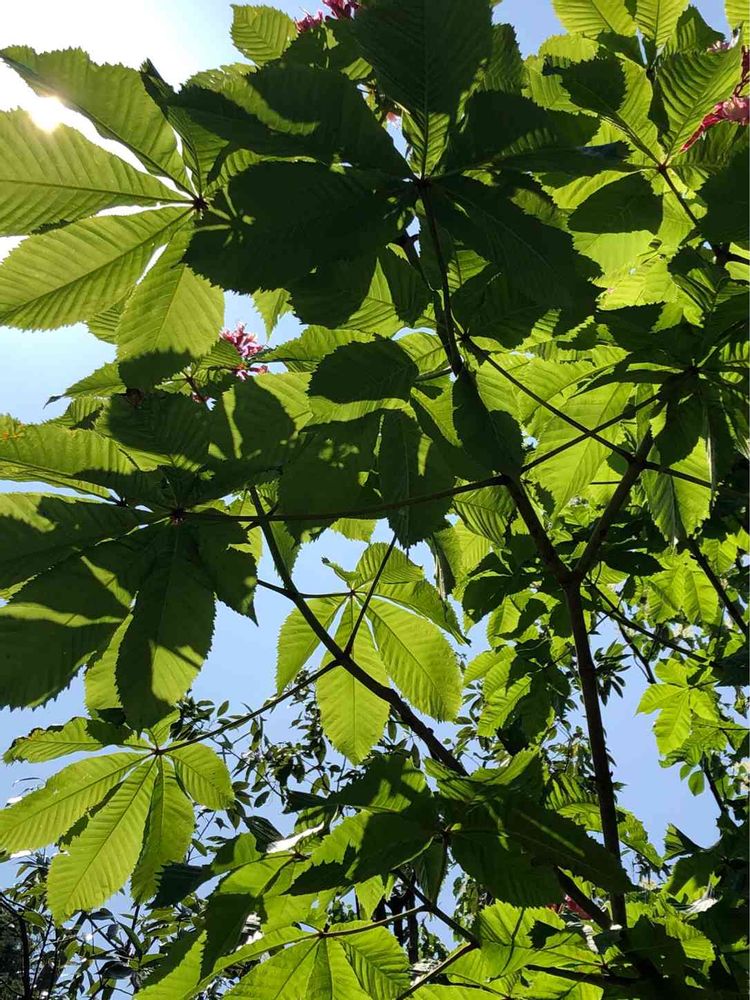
(522, 285)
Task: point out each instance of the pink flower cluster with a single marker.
(735, 108)
(339, 9)
(246, 344)
(571, 906)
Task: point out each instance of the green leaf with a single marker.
(681, 442)
(418, 659)
(230, 554)
(361, 378)
(621, 207)
(304, 216)
(261, 33)
(403, 582)
(352, 716)
(61, 618)
(379, 963)
(537, 258)
(169, 829)
(38, 530)
(71, 274)
(726, 199)
(298, 642)
(98, 860)
(169, 635)
(568, 473)
(375, 294)
(112, 97)
(204, 775)
(75, 736)
(172, 318)
(409, 466)
(592, 17)
(426, 55)
(619, 91)
(690, 84)
(45, 815)
(658, 19)
(50, 178)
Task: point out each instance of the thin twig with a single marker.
(366, 603)
(592, 550)
(438, 970)
(409, 718)
(25, 947)
(451, 347)
(731, 608)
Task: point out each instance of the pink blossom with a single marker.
(340, 9)
(309, 21)
(571, 906)
(244, 372)
(735, 108)
(245, 343)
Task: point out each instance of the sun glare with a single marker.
(47, 113)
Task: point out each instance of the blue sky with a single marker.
(181, 37)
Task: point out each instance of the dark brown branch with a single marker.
(733, 611)
(714, 789)
(591, 552)
(449, 341)
(344, 659)
(433, 907)
(346, 932)
(534, 526)
(597, 914)
(584, 977)
(602, 776)
(637, 654)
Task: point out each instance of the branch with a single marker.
(602, 776)
(265, 707)
(636, 627)
(534, 526)
(726, 600)
(451, 349)
(714, 789)
(637, 654)
(454, 925)
(597, 914)
(499, 480)
(377, 923)
(365, 604)
(583, 977)
(344, 659)
(619, 497)
(436, 971)
(585, 431)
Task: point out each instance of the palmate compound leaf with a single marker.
(50, 178)
(352, 716)
(71, 274)
(418, 659)
(365, 966)
(172, 318)
(169, 634)
(426, 55)
(261, 33)
(99, 858)
(113, 98)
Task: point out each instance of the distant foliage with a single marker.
(523, 291)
